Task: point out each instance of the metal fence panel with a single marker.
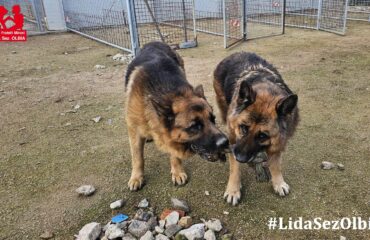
(234, 22)
(264, 18)
(359, 10)
(333, 16)
(169, 21)
(104, 21)
(302, 13)
(32, 11)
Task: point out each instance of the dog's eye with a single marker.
(212, 118)
(262, 136)
(244, 129)
(195, 127)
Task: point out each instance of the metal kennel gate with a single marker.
(359, 10)
(238, 20)
(129, 24)
(326, 15)
(33, 12)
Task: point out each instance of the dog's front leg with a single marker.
(179, 176)
(232, 193)
(137, 157)
(278, 183)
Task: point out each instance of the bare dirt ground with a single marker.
(47, 151)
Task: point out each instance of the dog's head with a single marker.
(189, 120)
(258, 123)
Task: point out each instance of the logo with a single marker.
(11, 25)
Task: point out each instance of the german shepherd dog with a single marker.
(162, 106)
(261, 114)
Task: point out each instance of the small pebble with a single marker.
(226, 213)
(159, 229)
(116, 204)
(180, 204)
(206, 193)
(97, 119)
(172, 218)
(185, 222)
(47, 235)
(99, 66)
(327, 165)
(340, 166)
(86, 190)
(143, 203)
(76, 106)
(209, 235)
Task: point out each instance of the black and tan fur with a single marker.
(162, 105)
(261, 114)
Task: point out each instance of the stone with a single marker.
(172, 218)
(342, 238)
(116, 204)
(171, 230)
(138, 228)
(118, 57)
(97, 119)
(158, 229)
(185, 222)
(214, 225)
(194, 232)
(327, 165)
(180, 204)
(147, 236)
(113, 232)
(228, 236)
(161, 237)
(97, 66)
(152, 222)
(226, 213)
(85, 190)
(47, 235)
(143, 203)
(206, 193)
(128, 236)
(340, 166)
(77, 106)
(143, 215)
(162, 223)
(166, 212)
(210, 235)
(90, 231)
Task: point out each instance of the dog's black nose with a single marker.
(222, 142)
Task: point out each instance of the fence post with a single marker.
(36, 12)
(244, 12)
(135, 44)
(345, 17)
(225, 24)
(283, 17)
(194, 22)
(319, 8)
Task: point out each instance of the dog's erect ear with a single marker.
(163, 107)
(199, 91)
(246, 96)
(286, 105)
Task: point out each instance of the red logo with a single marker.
(11, 26)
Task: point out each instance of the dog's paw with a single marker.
(232, 195)
(281, 188)
(135, 183)
(179, 178)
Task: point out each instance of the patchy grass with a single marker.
(43, 160)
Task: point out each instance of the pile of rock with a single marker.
(174, 223)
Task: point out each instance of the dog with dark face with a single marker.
(261, 114)
(162, 105)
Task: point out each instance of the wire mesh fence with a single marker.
(359, 10)
(32, 11)
(105, 21)
(169, 21)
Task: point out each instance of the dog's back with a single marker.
(160, 62)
